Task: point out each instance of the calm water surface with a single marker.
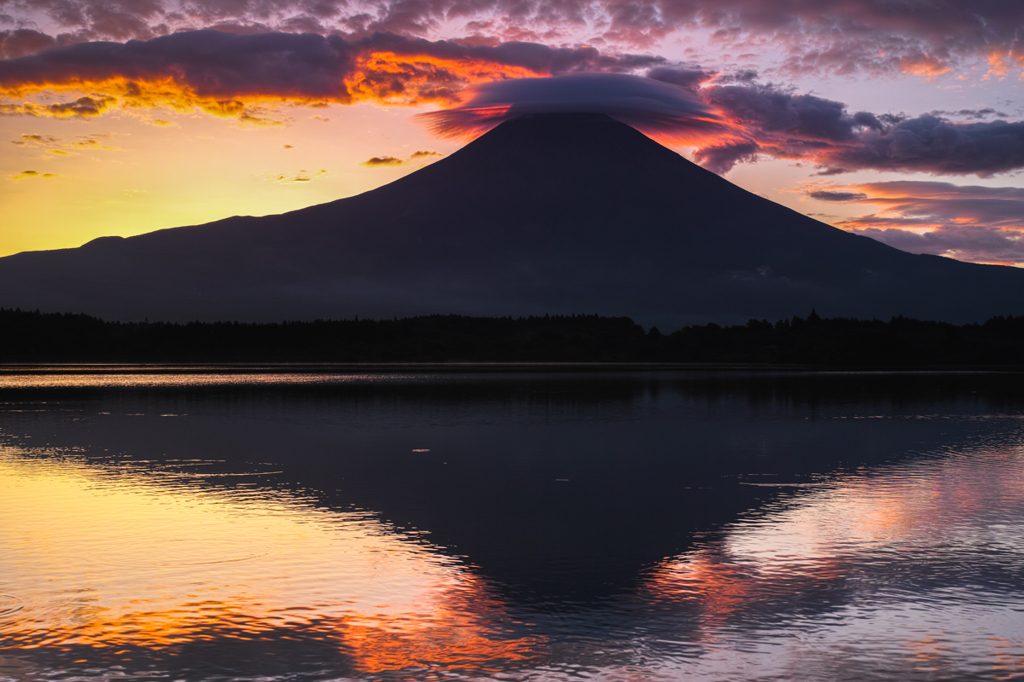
(514, 526)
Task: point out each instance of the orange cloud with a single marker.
(378, 161)
(926, 66)
(82, 107)
(383, 78)
(64, 147)
(245, 77)
(388, 78)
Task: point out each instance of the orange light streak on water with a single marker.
(111, 562)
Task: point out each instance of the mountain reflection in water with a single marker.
(613, 526)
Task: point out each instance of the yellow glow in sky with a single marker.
(123, 174)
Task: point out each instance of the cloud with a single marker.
(787, 125)
(772, 110)
(31, 174)
(935, 145)
(379, 161)
(660, 109)
(975, 114)
(43, 140)
(64, 147)
(302, 177)
(82, 107)
(23, 41)
(736, 123)
(721, 158)
(832, 195)
(924, 37)
(731, 118)
(234, 75)
(974, 223)
(973, 243)
(392, 161)
(689, 78)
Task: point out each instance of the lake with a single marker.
(510, 523)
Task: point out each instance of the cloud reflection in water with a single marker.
(910, 571)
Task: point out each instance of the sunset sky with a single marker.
(902, 120)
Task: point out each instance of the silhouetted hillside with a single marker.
(34, 337)
(555, 214)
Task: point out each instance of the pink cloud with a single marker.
(980, 224)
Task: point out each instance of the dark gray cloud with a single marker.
(209, 62)
(745, 77)
(773, 110)
(974, 114)
(830, 195)
(21, 42)
(835, 170)
(225, 68)
(788, 125)
(931, 144)
(691, 79)
(654, 107)
(721, 158)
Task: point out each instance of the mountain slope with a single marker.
(567, 213)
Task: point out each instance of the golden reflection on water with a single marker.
(112, 562)
(172, 379)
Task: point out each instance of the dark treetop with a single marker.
(33, 337)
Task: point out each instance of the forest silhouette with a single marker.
(36, 337)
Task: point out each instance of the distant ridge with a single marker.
(558, 213)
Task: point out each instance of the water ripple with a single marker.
(10, 604)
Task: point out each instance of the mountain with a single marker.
(557, 213)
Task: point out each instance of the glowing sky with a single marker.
(900, 120)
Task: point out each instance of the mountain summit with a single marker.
(547, 213)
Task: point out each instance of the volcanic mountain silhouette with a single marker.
(549, 213)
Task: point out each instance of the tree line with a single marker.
(35, 337)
